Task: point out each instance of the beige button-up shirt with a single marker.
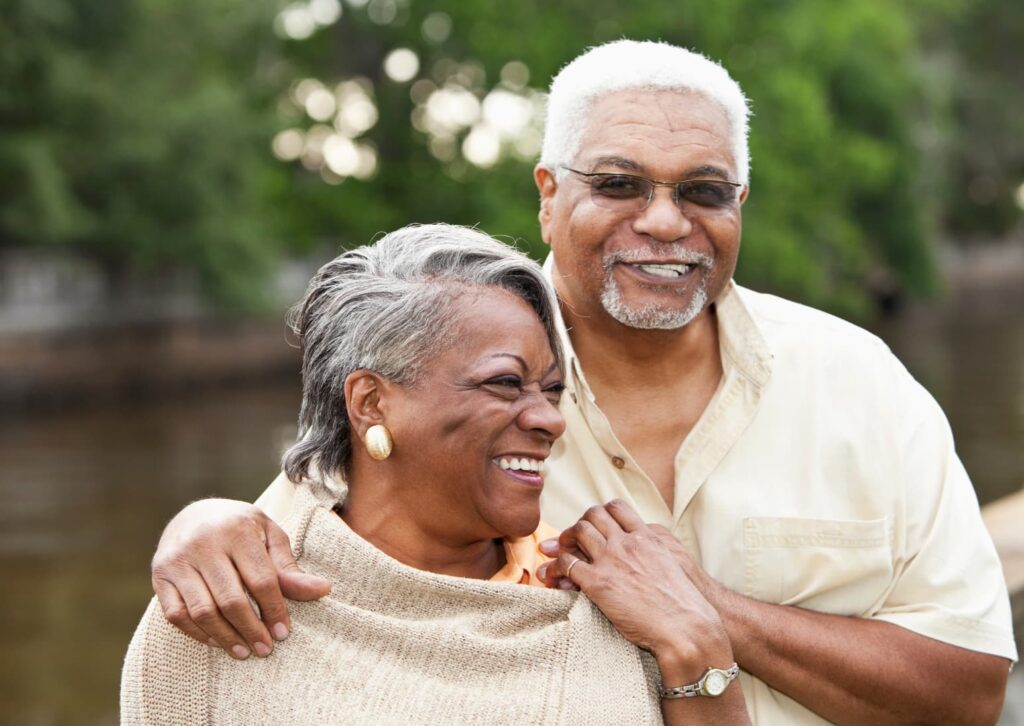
(820, 475)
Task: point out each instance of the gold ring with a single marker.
(568, 570)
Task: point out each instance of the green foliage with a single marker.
(138, 131)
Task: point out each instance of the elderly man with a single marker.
(809, 483)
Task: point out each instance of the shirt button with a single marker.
(618, 462)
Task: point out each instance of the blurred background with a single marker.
(171, 174)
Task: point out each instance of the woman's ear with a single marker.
(366, 400)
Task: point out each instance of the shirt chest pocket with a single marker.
(834, 566)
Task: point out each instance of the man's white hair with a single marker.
(629, 64)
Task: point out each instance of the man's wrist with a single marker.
(710, 685)
(685, 661)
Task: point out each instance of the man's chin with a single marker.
(661, 310)
(652, 316)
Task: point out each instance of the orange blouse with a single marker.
(523, 557)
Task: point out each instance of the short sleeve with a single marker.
(276, 502)
(949, 582)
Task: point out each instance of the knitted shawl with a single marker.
(395, 645)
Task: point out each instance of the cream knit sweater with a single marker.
(396, 645)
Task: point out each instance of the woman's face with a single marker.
(471, 435)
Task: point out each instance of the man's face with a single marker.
(661, 266)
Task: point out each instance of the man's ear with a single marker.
(547, 186)
(745, 193)
(366, 400)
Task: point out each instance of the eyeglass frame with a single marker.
(655, 183)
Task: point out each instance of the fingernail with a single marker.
(280, 631)
(565, 584)
(548, 547)
(240, 651)
(262, 649)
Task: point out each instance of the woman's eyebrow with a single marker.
(520, 359)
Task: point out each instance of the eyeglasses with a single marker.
(631, 193)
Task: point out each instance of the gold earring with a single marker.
(379, 442)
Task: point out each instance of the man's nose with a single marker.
(662, 219)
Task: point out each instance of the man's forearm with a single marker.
(856, 671)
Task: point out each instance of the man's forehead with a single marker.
(637, 129)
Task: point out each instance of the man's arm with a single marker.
(847, 670)
(209, 555)
(855, 670)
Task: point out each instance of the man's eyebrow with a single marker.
(618, 162)
(707, 170)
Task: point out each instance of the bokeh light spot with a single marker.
(401, 65)
(325, 12)
(437, 27)
(320, 104)
(295, 22)
(288, 144)
(515, 74)
(482, 146)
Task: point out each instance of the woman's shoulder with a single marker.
(164, 679)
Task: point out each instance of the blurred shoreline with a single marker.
(68, 335)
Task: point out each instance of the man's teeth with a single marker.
(665, 270)
(520, 464)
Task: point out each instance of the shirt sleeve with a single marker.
(276, 502)
(949, 582)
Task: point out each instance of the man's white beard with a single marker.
(652, 316)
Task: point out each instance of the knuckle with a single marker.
(177, 616)
(234, 605)
(205, 614)
(263, 585)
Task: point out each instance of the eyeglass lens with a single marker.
(624, 191)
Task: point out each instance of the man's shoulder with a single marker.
(793, 328)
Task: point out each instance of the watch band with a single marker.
(712, 684)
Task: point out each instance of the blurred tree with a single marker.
(139, 131)
(135, 132)
(986, 157)
(837, 205)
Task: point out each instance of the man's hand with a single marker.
(209, 555)
(632, 574)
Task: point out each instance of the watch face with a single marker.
(715, 683)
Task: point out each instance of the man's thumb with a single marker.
(295, 584)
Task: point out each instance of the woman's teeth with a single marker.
(522, 464)
(665, 270)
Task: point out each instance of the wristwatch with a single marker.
(713, 684)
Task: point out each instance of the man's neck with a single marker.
(616, 357)
(652, 385)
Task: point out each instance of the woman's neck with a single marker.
(393, 519)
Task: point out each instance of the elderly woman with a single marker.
(431, 382)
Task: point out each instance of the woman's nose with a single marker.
(542, 415)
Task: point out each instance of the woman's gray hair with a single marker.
(387, 308)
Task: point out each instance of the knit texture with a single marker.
(396, 645)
